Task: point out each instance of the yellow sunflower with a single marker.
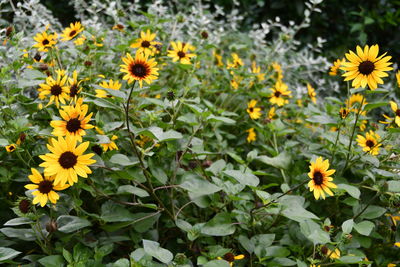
(45, 41)
(356, 98)
(66, 160)
(366, 67)
(252, 136)
(320, 178)
(398, 78)
(344, 112)
(139, 68)
(80, 40)
(146, 43)
(114, 85)
(57, 89)
(396, 111)
(217, 59)
(11, 148)
(73, 30)
(257, 70)
(235, 82)
(279, 94)
(336, 65)
(74, 86)
(230, 257)
(254, 112)
(278, 71)
(272, 113)
(236, 62)
(111, 145)
(75, 122)
(370, 143)
(311, 93)
(44, 188)
(181, 52)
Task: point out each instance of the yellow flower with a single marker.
(73, 30)
(99, 130)
(333, 255)
(118, 27)
(57, 89)
(230, 257)
(74, 122)
(181, 52)
(396, 111)
(369, 143)
(66, 160)
(80, 40)
(344, 112)
(111, 145)
(235, 82)
(254, 112)
(398, 78)
(45, 41)
(272, 113)
(252, 136)
(397, 244)
(320, 178)
(217, 59)
(139, 68)
(279, 94)
(11, 148)
(114, 85)
(311, 93)
(257, 70)
(336, 65)
(44, 188)
(278, 71)
(146, 43)
(356, 98)
(391, 265)
(74, 85)
(366, 67)
(236, 62)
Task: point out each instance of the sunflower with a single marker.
(146, 43)
(236, 62)
(336, 65)
(66, 160)
(365, 67)
(11, 148)
(235, 82)
(279, 92)
(230, 257)
(254, 112)
(139, 68)
(45, 41)
(75, 122)
(272, 113)
(80, 40)
(111, 145)
(396, 111)
(311, 93)
(344, 112)
(70, 32)
(44, 188)
(257, 70)
(398, 78)
(217, 59)
(320, 178)
(108, 85)
(57, 89)
(252, 136)
(74, 85)
(356, 98)
(181, 52)
(370, 143)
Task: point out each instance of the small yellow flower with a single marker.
(45, 41)
(181, 52)
(257, 70)
(311, 93)
(111, 145)
(272, 113)
(236, 62)
(146, 43)
(370, 143)
(230, 257)
(118, 27)
(252, 136)
(279, 94)
(11, 148)
(278, 71)
(396, 111)
(320, 178)
(114, 85)
(391, 265)
(235, 82)
(397, 244)
(140, 68)
(80, 40)
(254, 112)
(344, 112)
(336, 65)
(217, 59)
(398, 78)
(73, 30)
(334, 255)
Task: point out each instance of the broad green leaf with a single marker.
(226, 120)
(123, 160)
(18, 221)
(373, 212)
(393, 186)
(158, 172)
(8, 253)
(153, 249)
(130, 189)
(314, 232)
(352, 190)
(243, 178)
(121, 263)
(198, 187)
(293, 209)
(321, 119)
(347, 226)
(364, 227)
(282, 161)
(23, 234)
(52, 261)
(350, 259)
(217, 263)
(246, 243)
(220, 225)
(68, 224)
(112, 212)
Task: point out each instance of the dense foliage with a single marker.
(152, 135)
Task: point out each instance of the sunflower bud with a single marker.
(24, 206)
(97, 149)
(207, 163)
(43, 67)
(88, 63)
(170, 95)
(37, 57)
(324, 250)
(9, 31)
(51, 226)
(204, 35)
(229, 257)
(344, 112)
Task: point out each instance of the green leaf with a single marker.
(123, 160)
(350, 259)
(68, 224)
(217, 263)
(347, 226)
(293, 209)
(130, 189)
(23, 234)
(393, 186)
(153, 249)
(321, 119)
(373, 212)
(282, 161)
(158, 133)
(243, 178)
(226, 120)
(220, 225)
(112, 212)
(158, 172)
(52, 261)
(67, 255)
(352, 190)
(184, 225)
(371, 106)
(314, 232)
(121, 263)
(246, 243)
(364, 227)
(18, 221)
(8, 253)
(198, 187)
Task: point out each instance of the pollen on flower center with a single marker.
(366, 67)
(145, 44)
(229, 257)
(45, 42)
(56, 90)
(45, 186)
(73, 125)
(72, 33)
(370, 143)
(318, 178)
(67, 160)
(139, 70)
(181, 54)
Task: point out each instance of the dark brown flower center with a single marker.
(277, 93)
(73, 90)
(324, 250)
(181, 54)
(24, 206)
(370, 143)
(145, 44)
(251, 109)
(139, 70)
(45, 42)
(12, 147)
(229, 257)
(56, 90)
(68, 160)
(73, 125)
(366, 67)
(72, 33)
(45, 186)
(318, 178)
(398, 113)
